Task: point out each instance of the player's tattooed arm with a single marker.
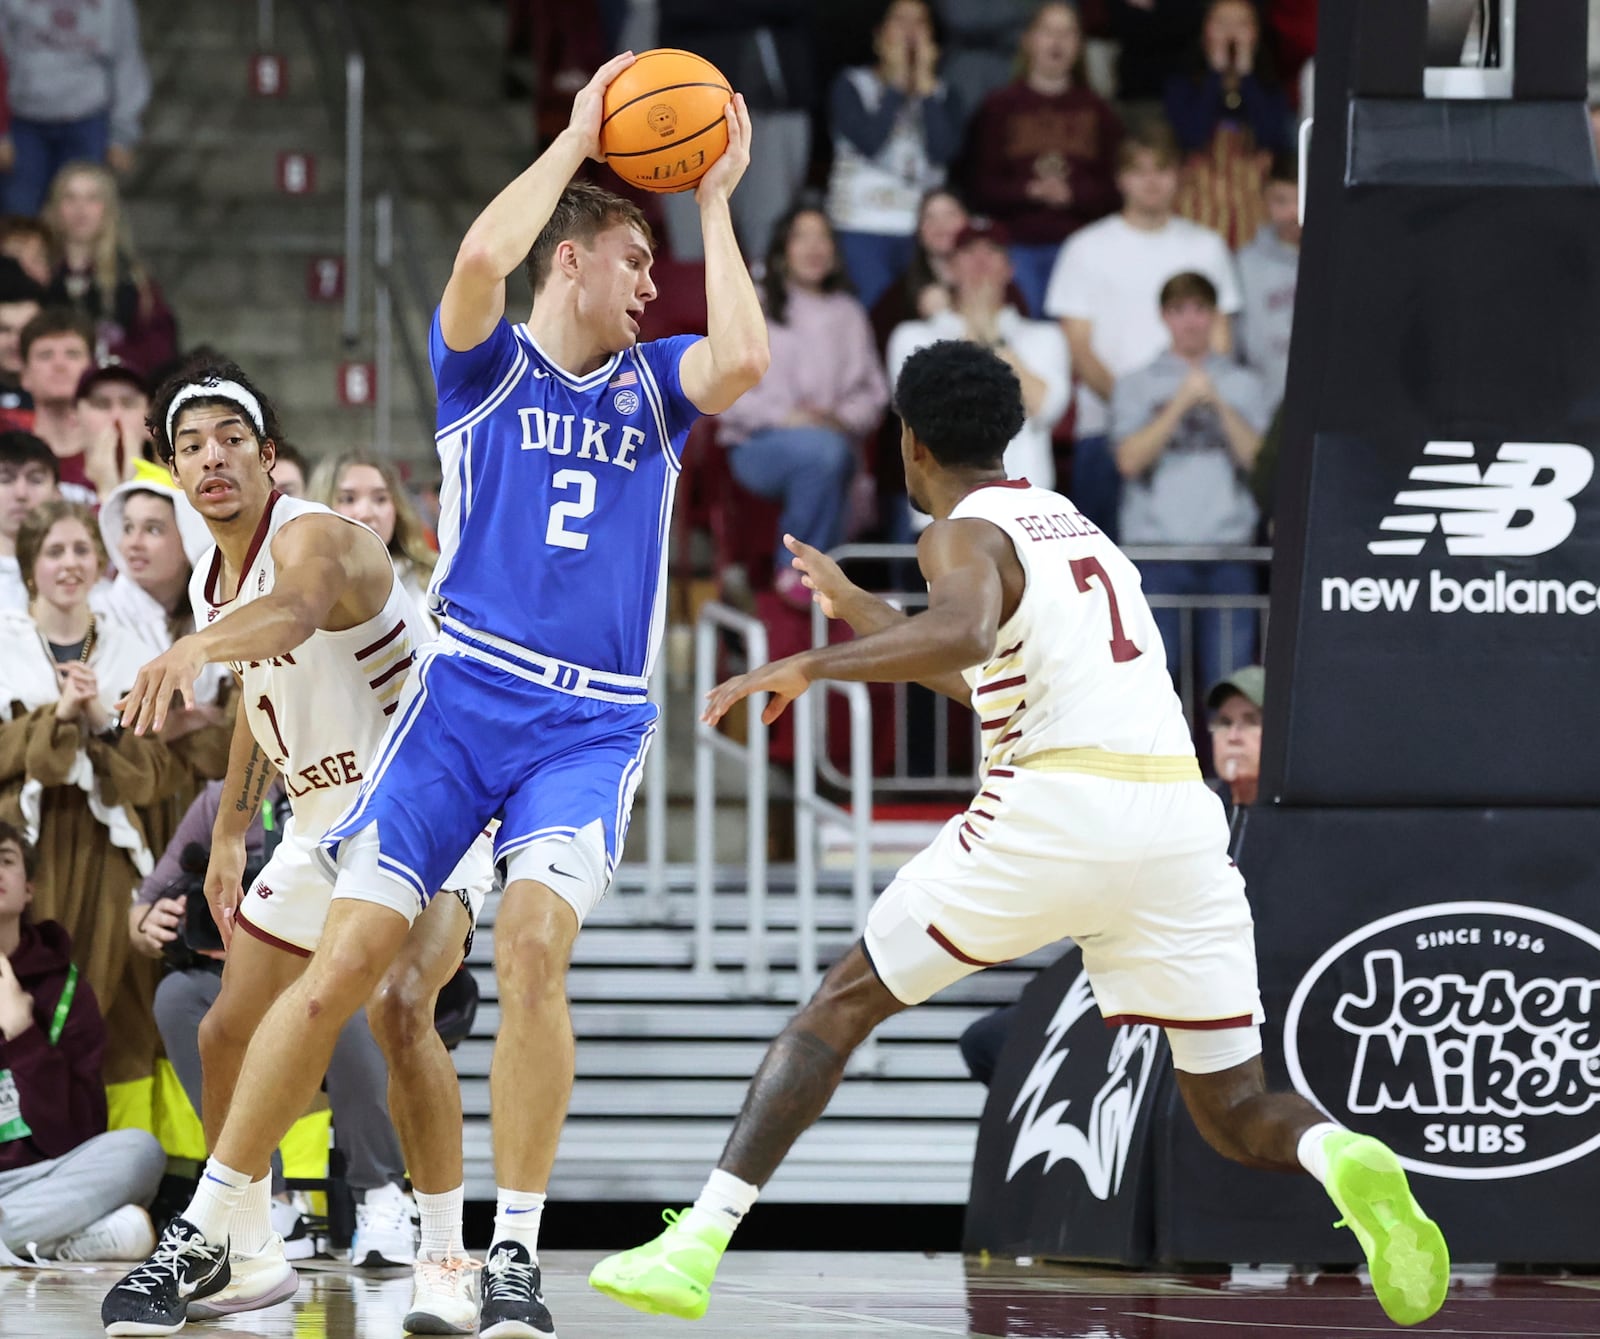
(244, 787)
(253, 787)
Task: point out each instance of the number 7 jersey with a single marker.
(1080, 663)
(556, 497)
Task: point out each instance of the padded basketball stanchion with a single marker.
(1423, 869)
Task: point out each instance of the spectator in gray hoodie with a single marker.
(76, 86)
(1268, 267)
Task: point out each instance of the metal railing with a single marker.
(708, 743)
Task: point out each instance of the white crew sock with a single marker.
(250, 1228)
(215, 1198)
(1313, 1149)
(724, 1202)
(441, 1222)
(517, 1214)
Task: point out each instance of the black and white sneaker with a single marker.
(513, 1306)
(154, 1298)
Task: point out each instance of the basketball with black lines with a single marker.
(664, 120)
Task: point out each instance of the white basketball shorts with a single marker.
(288, 903)
(1135, 872)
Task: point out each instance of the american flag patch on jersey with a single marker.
(628, 378)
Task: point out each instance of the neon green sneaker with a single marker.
(1406, 1253)
(670, 1276)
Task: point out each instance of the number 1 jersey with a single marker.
(556, 497)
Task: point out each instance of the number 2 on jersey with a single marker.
(1085, 570)
(556, 532)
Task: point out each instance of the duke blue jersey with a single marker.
(556, 499)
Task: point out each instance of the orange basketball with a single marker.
(664, 123)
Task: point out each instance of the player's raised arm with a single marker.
(501, 237)
(330, 574)
(733, 357)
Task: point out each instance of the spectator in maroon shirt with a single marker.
(1042, 153)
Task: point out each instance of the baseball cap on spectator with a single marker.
(982, 230)
(1249, 681)
(123, 372)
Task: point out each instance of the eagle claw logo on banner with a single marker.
(1100, 1146)
(1466, 1035)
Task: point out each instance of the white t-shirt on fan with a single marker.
(1112, 273)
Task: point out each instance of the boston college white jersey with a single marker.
(319, 711)
(1080, 663)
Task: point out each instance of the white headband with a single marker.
(216, 390)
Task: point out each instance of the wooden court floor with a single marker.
(770, 1296)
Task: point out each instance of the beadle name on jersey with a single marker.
(1057, 525)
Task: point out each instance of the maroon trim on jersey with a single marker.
(399, 667)
(997, 723)
(998, 483)
(1001, 771)
(256, 541)
(988, 795)
(257, 932)
(967, 827)
(389, 710)
(954, 952)
(1015, 734)
(995, 687)
(1183, 1024)
(382, 642)
(1011, 652)
(981, 813)
(963, 842)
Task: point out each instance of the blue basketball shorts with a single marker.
(473, 742)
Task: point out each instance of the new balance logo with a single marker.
(1517, 506)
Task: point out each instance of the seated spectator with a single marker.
(1154, 38)
(69, 1189)
(1187, 428)
(29, 476)
(1035, 350)
(21, 299)
(1041, 154)
(1269, 265)
(1230, 116)
(161, 927)
(370, 490)
(99, 273)
(896, 128)
(69, 777)
(923, 289)
(765, 49)
(793, 438)
(77, 86)
(290, 470)
(112, 404)
(27, 241)
(1105, 290)
(981, 38)
(1234, 705)
(57, 349)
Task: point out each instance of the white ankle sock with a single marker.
(517, 1214)
(250, 1228)
(441, 1221)
(724, 1202)
(1312, 1149)
(215, 1198)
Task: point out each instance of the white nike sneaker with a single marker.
(261, 1279)
(386, 1230)
(444, 1295)
(123, 1234)
(291, 1222)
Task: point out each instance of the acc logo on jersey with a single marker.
(1505, 510)
(625, 402)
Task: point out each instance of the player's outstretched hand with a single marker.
(820, 574)
(172, 673)
(783, 679)
(724, 174)
(588, 106)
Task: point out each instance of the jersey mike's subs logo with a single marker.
(1465, 1034)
